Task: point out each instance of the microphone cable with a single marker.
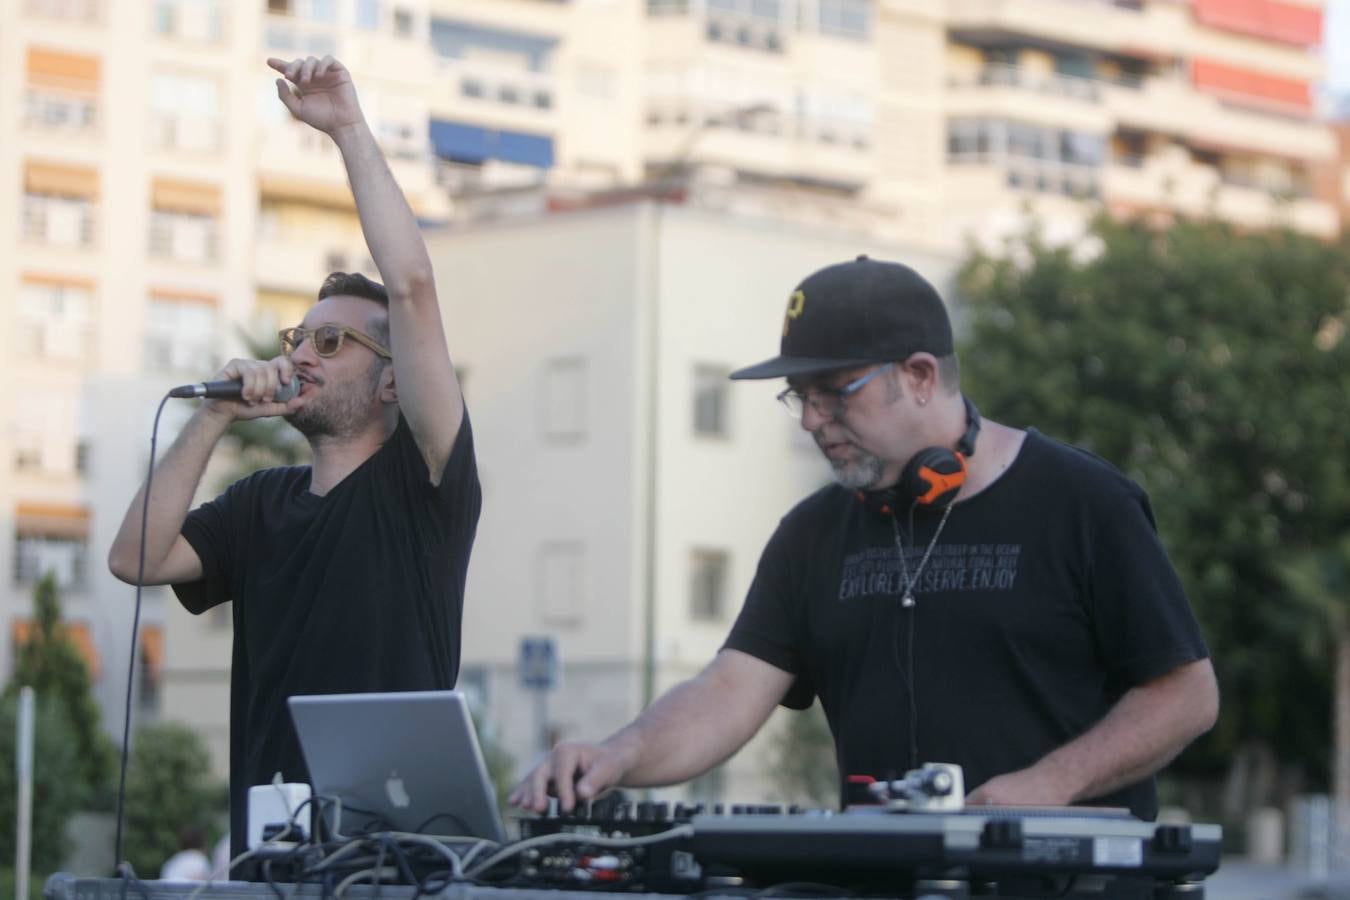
(121, 867)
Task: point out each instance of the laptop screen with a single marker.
(406, 761)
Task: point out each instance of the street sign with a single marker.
(538, 663)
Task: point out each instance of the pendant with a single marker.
(907, 600)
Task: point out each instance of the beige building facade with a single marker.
(666, 167)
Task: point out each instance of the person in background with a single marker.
(965, 592)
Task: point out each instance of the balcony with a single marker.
(297, 264)
(1173, 107)
(502, 96)
(820, 147)
(768, 35)
(297, 161)
(1170, 181)
(1050, 84)
(1027, 174)
(1007, 91)
(1114, 25)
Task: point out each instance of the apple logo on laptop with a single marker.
(398, 794)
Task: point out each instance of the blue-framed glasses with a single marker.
(828, 402)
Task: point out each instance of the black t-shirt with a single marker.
(1046, 597)
(358, 590)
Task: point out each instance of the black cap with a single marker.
(855, 313)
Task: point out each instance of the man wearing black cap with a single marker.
(1010, 610)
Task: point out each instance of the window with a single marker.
(368, 14)
(185, 112)
(70, 10)
(707, 585)
(194, 20)
(754, 24)
(59, 203)
(846, 18)
(184, 222)
(183, 236)
(51, 537)
(61, 90)
(45, 430)
(563, 400)
(560, 578)
(27, 453)
(181, 333)
(323, 11)
(452, 39)
(54, 318)
(710, 401)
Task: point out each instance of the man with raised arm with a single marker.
(347, 575)
(965, 593)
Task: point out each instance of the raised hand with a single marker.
(320, 92)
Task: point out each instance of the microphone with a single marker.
(231, 390)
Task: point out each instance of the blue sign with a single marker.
(538, 663)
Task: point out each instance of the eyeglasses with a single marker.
(327, 340)
(828, 402)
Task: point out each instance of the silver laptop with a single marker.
(399, 762)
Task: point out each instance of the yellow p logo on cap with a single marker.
(796, 303)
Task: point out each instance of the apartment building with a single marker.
(162, 207)
(1160, 108)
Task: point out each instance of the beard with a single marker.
(338, 413)
(859, 474)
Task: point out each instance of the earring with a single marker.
(923, 401)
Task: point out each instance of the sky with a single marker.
(1336, 40)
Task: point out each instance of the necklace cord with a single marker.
(907, 603)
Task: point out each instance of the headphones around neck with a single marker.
(933, 476)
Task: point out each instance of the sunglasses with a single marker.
(327, 340)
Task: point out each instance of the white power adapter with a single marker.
(276, 804)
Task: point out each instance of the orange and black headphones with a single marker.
(933, 476)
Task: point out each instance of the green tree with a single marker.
(803, 760)
(56, 795)
(1320, 579)
(169, 788)
(1212, 366)
(51, 664)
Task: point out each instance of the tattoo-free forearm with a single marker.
(175, 481)
(1143, 732)
(701, 722)
(387, 220)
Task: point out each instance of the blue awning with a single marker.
(471, 143)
